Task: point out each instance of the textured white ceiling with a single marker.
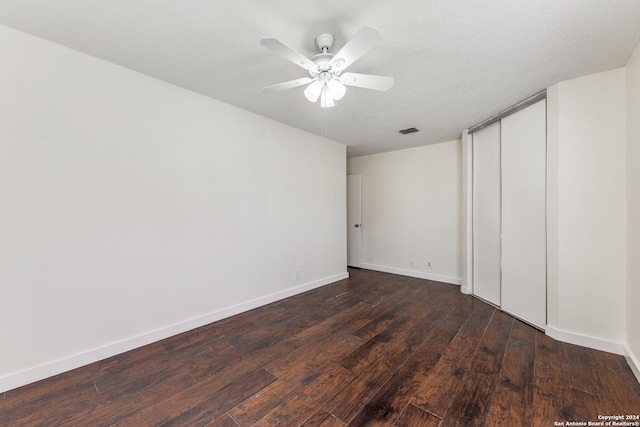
(455, 62)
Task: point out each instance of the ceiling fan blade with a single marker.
(361, 43)
(366, 81)
(288, 85)
(288, 52)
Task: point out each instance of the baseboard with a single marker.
(412, 273)
(47, 370)
(633, 362)
(585, 340)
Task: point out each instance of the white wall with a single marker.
(412, 211)
(586, 209)
(633, 209)
(131, 209)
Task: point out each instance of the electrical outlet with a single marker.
(428, 265)
(296, 275)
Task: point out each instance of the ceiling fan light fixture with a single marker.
(336, 89)
(326, 100)
(312, 92)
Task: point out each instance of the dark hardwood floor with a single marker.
(375, 349)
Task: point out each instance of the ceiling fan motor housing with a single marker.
(323, 63)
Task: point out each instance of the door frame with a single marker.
(354, 179)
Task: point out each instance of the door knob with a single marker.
(357, 225)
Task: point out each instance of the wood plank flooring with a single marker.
(375, 349)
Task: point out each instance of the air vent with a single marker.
(408, 130)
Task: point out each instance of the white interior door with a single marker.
(486, 213)
(524, 258)
(354, 218)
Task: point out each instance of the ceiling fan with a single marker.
(326, 79)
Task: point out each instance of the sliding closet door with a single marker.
(486, 213)
(523, 214)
